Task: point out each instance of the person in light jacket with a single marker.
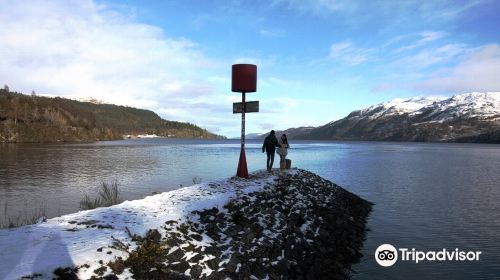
(270, 144)
(283, 150)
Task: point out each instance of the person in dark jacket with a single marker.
(270, 144)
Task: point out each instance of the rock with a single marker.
(180, 267)
(110, 277)
(196, 237)
(67, 273)
(212, 250)
(176, 255)
(197, 258)
(153, 236)
(213, 264)
(196, 271)
(232, 265)
(171, 222)
(173, 241)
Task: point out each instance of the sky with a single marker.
(317, 60)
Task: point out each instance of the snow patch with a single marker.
(76, 239)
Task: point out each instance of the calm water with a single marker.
(427, 196)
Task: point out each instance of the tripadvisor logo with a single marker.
(387, 255)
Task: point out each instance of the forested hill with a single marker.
(33, 118)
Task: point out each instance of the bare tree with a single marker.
(16, 108)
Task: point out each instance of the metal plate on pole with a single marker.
(251, 107)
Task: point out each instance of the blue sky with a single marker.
(317, 60)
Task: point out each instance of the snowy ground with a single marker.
(82, 239)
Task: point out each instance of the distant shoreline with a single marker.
(237, 140)
(107, 140)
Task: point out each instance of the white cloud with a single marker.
(425, 38)
(429, 36)
(398, 11)
(320, 7)
(272, 33)
(478, 71)
(430, 57)
(259, 61)
(275, 82)
(278, 105)
(383, 87)
(283, 113)
(79, 48)
(349, 54)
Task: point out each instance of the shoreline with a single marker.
(340, 141)
(107, 140)
(197, 221)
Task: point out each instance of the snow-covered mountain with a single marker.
(469, 117)
(484, 106)
(396, 106)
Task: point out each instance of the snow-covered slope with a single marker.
(468, 105)
(78, 239)
(397, 106)
(484, 106)
(469, 117)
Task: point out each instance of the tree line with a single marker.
(32, 118)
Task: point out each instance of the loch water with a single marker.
(427, 196)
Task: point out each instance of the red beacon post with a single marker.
(244, 79)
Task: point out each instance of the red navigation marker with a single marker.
(243, 79)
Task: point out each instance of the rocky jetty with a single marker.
(300, 227)
(288, 225)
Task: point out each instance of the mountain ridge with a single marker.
(468, 117)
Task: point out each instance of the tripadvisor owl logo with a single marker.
(386, 255)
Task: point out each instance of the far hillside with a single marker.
(34, 118)
(469, 117)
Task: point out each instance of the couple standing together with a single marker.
(270, 144)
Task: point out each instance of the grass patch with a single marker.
(196, 180)
(107, 195)
(28, 217)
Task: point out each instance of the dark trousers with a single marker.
(270, 160)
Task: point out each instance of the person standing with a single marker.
(283, 150)
(270, 144)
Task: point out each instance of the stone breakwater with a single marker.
(281, 225)
(299, 227)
